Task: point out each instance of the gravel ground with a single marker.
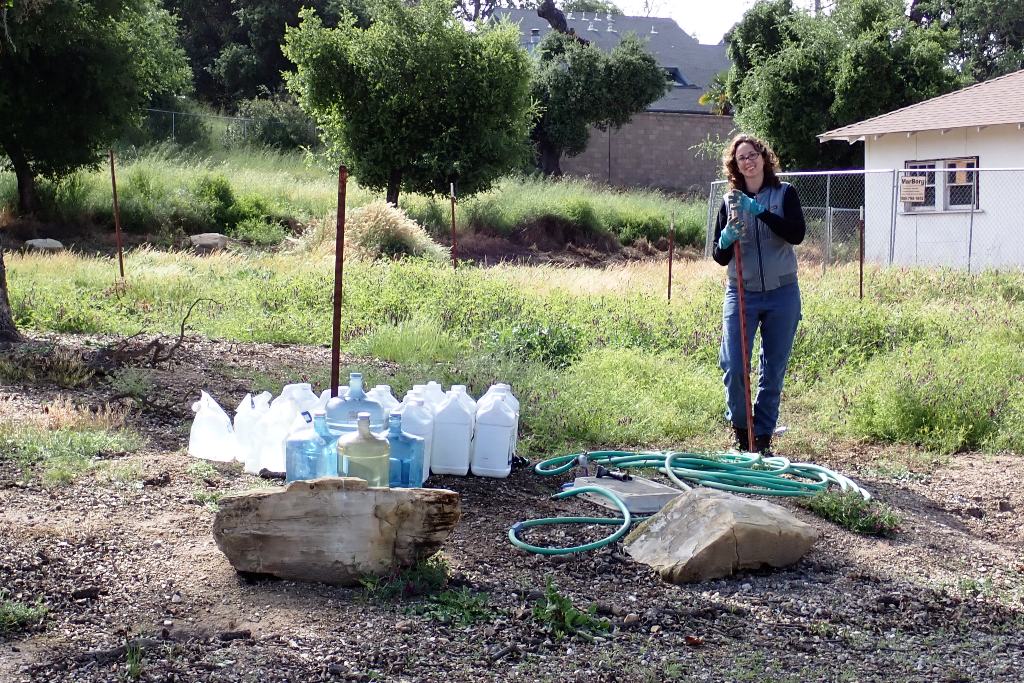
(119, 559)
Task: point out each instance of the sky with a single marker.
(708, 19)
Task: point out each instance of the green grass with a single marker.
(17, 616)
(251, 193)
(59, 456)
(851, 511)
(424, 578)
(937, 366)
(461, 607)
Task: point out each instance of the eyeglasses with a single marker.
(748, 157)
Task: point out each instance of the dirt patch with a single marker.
(125, 554)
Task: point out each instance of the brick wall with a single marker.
(652, 150)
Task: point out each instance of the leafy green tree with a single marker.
(415, 101)
(579, 86)
(991, 33)
(73, 75)
(795, 76)
(601, 6)
(481, 9)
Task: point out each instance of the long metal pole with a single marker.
(860, 227)
(671, 253)
(339, 265)
(117, 217)
(738, 255)
(455, 243)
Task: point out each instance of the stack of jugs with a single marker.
(418, 420)
(453, 434)
(342, 412)
(365, 455)
(497, 430)
(278, 423)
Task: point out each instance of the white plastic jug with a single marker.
(325, 395)
(503, 391)
(382, 394)
(419, 421)
(249, 426)
(433, 394)
(277, 424)
(453, 435)
(459, 390)
(211, 436)
(492, 443)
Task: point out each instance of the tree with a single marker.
(579, 86)
(795, 76)
(476, 10)
(600, 6)
(991, 33)
(73, 75)
(415, 101)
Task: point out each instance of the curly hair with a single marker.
(731, 168)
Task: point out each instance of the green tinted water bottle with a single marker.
(363, 454)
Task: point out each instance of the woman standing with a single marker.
(762, 216)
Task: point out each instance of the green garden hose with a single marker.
(735, 472)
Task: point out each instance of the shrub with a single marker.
(382, 230)
(851, 511)
(277, 122)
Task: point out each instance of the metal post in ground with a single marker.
(339, 265)
(671, 253)
(970, 227)
(455, 244)
(860, 228)
(117, 217)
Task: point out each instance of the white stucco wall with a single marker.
(992, 237)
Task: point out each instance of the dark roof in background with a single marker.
(674, 49)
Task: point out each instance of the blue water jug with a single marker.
(342, 411)
(328, 465)
(406, 456)
(303, 452)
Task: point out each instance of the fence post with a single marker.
(892, 217)
(117, 217)
(860, 228)
(671, 253)
(339, 265)
(172, 126)
(970, 227)
(828, 222)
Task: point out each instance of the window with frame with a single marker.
(950, 184)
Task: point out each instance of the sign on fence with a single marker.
(912, 189)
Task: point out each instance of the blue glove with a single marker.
(732, 232)
(746, 203)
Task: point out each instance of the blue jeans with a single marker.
(776, 313)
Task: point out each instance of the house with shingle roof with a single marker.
(654, 149)
(956, 159)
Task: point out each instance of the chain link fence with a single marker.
(190, 128)
(942, 216)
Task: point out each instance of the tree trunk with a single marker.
(28, 198)
(8, 332)
(394, 185)
(550, 159)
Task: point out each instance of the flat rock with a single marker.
(333, 530)
(44, 245)
(207, 242)
(706, 534)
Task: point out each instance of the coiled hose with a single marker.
(735, 472)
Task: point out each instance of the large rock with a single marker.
(333, 530)
(706, 534)
(208, 242)
(44, 245)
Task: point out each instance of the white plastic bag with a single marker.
(211, 436)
